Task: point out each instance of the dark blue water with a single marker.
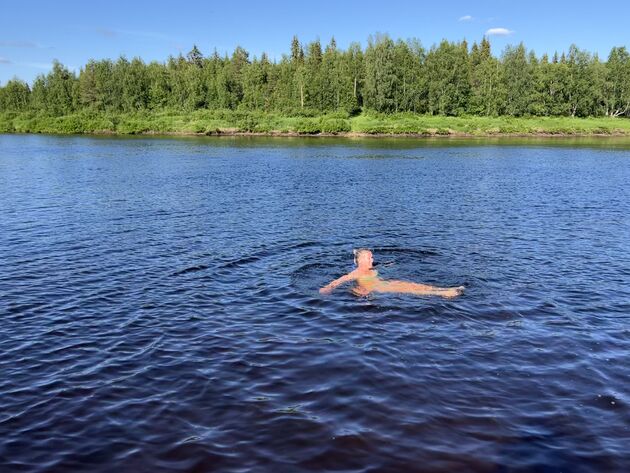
(159, 307)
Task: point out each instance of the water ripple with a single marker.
(160, 307)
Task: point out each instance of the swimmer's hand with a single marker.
(452, 292)
(326, 290)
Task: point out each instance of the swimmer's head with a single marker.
(363, 258)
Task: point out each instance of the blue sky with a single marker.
(34, 33)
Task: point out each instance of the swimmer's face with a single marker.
(364, 258)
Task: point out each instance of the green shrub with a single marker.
(308, 126)
(69, 124)
(343, 114)
(247, 123)
(304, 121)
(6, 123)
(197, 126)
(601, 131)
(335, 125)
(301, 112)
(265, 127)
(373, 129)
(405, 126)
(353, 110)
(132, 126)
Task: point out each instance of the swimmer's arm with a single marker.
(328, 288)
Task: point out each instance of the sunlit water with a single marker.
(159, 307)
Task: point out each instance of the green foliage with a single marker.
(335, 125)
(580, 96)
(56, 92)
(517, 81)
(380, 74)
(228, 121)
(616, 94)
(449, 82)
(292, 93)
(131, 125)
(308, 126)
(15, 95)
(248, 123)
(486, 88)
(6, 122)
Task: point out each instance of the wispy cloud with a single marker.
(466, 18)
(23, 44)
(4, 60)
(114, 33)
(106, 32)
(499, 32)
(18, 44)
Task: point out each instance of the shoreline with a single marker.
(351, 134)
(355, 134)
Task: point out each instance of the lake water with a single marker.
(160, 311)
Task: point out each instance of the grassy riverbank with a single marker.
(234, 122)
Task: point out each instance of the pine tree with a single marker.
(195, 57)
(297, 53)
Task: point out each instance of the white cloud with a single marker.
(499, 32)
(465, 18)
(4, 60)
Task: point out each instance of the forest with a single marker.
(450, 79)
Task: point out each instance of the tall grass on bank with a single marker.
(304, 123)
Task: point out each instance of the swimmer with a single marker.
(368, 281)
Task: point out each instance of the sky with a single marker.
(34, 33)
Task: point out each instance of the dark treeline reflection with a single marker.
(451, 78)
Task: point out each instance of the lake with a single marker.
(160, 308)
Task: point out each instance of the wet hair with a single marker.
(357, 252)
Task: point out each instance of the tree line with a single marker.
(450, 78)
